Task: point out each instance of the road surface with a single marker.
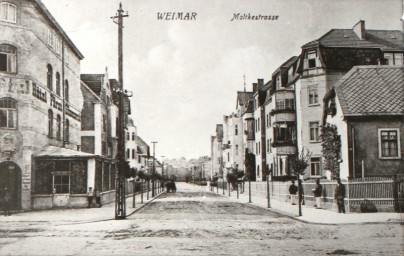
(192, 222)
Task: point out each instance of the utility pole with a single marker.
(120, 202)
(154, 166)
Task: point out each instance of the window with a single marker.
(389, 143)
(228, 157)
(49, 77)
(290, 103)
(66, 96)
(314, 131)
(315, 166)
(50, 123)
(393, 58)
(67, 57)
(61, 183)
(258, 170)
(127, 136)
(270, 145)
(259, 125)
(311, 59)
(8, 12)
(57, 45)
(235, 129)
(8, 59)
(127, 153)
(267, 146)
(8, 113)
(67, 136)
(133, 136)
(236, 150)
(313, 96)
(133, 154)
(58, 83)
(58, 126)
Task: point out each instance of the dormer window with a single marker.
(311, 60)
(8, 12)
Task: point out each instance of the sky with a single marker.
(185, 74)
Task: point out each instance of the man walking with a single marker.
(292, 191)
(340, 195)
(317, 191)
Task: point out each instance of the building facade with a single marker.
(40, 106)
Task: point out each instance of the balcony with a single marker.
(250, 134)
(281, 110)
(283, 143)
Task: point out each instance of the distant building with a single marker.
(367, 108)
(132, 154)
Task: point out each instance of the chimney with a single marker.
(359, 29)
(260, 82)
(254, 87)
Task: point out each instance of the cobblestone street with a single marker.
(190, 222)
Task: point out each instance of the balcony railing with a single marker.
(283, 143)
(281, 110)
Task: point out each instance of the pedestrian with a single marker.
(301, 190)
(6, 202)
(292, 191)
(317, 191)
(340, 195)
(98, 198)
(90, 196)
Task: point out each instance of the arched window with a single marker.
(8, 113)
(58, 126)
(67, 130)
(8, 12)
(133, 136)
(8, 58)
(58, 83)
(49, 77)
(50, 123)
(66, 96)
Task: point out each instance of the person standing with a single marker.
(90, 195)
(98, 197)
(292, 191)
(317, 191)
(6, 202)
(340, 195)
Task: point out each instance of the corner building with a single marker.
(40, 106)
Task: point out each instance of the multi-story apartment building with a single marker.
(259, 125)
(132, 155)
(40, 107)
(142, 152)
(323, 62)
(217, 152)
(232, 142)
(99, 134)
(280, 119)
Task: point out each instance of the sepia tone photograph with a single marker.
(201, 127)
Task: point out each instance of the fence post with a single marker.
(229, 187)
(237, 190)
(349, 203)
(134, 194)
(223, 186)
(249, 191)
(268, 194)
(141, 192)
(148, 188)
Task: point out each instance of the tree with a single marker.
(250, 165)
(233, 175)
(298, 164)
(331, 149)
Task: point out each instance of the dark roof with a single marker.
(59, 28)
(372, 90)
(94, 81)
(387, 40)
(243, 97)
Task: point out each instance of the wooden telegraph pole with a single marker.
(120, 202)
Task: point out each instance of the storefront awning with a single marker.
(58, 152)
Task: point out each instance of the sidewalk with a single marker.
(312, 215)
(77, 215)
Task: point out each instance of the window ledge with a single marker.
(314, 141)
(314, 105)
(389, 158)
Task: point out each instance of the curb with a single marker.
(140, 207)
(297, 218)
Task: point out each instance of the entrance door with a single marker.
(61, 189)
(10, 178)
